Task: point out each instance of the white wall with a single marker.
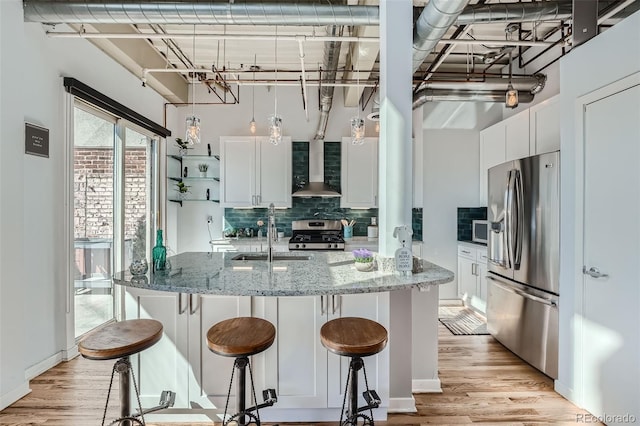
(602, 60)
(451, 169)
(32, 271)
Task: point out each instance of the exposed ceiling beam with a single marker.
(136, 55)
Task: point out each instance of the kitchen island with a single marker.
(298, 293)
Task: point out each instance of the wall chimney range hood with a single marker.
(316, 186)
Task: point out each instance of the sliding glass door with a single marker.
(113, 199)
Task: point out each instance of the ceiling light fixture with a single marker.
(193, 122)
(252, 123)
(357, 123)
(511, 97)
(275, 122)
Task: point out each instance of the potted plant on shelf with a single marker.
(364, 259)
(183, 146)
(203, 167)
(183, 190)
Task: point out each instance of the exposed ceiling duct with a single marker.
(443, 95)
(515, 12)
(531, 85)
(432, 25)
(219, 13)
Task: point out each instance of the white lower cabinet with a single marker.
(181, 361)
(304, 374)
(472, 273)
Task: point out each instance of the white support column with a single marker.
(395, 186)
(395, 156)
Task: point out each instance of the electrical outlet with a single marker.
(209, 219)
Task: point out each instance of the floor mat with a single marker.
(462, 321)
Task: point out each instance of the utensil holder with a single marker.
(348, 232)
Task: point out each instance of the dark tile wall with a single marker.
(465, 216)
(316, 207)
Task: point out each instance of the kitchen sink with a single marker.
(263, 257)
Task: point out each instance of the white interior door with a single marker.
(611, 305)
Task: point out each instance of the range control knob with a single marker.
(297, 246)
(304, 245)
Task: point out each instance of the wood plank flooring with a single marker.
(482, 382)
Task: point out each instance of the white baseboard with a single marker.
(36, 370)
(426, 386)
(70, 353)
(402, 405)
(567, 392)
(13, 395)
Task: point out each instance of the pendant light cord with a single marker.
(275, 107)
(193, 86)
(253, 89)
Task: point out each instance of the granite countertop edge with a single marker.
(325, 273)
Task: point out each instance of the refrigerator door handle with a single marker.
(522, 293)
(509, 219)
(519, 213)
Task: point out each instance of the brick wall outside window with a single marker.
(93, 192)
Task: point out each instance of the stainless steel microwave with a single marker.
(479, 231)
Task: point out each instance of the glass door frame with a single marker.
(153, 205)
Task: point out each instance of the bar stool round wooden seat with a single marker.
(240, 338)
(355, 338)
(119, 340)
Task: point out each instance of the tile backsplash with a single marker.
(465, 216)
(315, 207)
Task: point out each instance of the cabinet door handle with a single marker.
(321, 305)
(333, 304)
(191, 304)
(259, 198)
(473, 269)
(180, 310)
(253, 200)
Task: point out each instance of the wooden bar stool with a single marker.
(355, 338)
(240, 338)
(119, 340)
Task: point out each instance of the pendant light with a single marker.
(193, 122)
(275, 122)
(252, 123)
(357, 123)
(511, 96)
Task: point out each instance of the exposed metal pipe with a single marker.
(516, 12)
(304, 78)
(527, 84)
(444, 95)
(329, 65)
(220, 13)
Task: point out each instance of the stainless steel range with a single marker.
(316, 235)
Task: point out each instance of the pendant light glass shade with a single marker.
(511, 97)
(252, 126)
(357, 131)
(275, 129)
(193, 130)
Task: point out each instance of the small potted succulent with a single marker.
(364, 259)
(183, 190)
(183, 146)
(203, 167)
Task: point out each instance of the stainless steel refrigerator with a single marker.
(523, 248)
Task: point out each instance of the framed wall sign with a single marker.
(36, 140)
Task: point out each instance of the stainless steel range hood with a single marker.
(316, 186)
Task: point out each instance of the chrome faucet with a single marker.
(271, 231)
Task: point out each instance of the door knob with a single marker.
(594, 272)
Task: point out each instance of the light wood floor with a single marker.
(482, 382)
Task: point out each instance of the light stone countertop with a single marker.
(324, 273)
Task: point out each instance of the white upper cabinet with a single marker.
(530, 132)
(516, 130)
(359, 176)
(254, 172)
(492, 152)
(544, 127)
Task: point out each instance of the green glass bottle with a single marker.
(159, 253)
